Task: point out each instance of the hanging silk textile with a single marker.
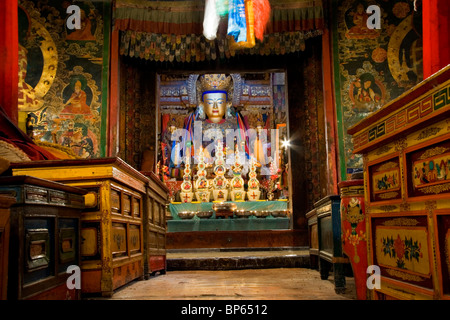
(261, 9)
(211, 20)
(186, 17)
(250, 18)
(237, 23)
(222, 7)
(172, 31)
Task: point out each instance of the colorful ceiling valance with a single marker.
(173, 30)
(186, 17)
(196, 48)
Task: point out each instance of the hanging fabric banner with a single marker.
(250, 18)
(187, 16)
(261, 9)
(222, 7)
(211, 20)
(237, 24)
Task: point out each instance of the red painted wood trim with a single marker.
(114, 96)
(436, 29)
(9, 58)
(351, 183)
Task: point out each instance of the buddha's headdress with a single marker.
(210, 83)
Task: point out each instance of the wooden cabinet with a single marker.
(44, 237)
(112, 247)
(5, 204)
(155, 226)
(313, 238)
(406, 151)
(330, 243)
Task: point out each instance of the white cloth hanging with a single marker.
(210, 20)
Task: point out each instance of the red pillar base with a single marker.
(436, 30)
(9, 58)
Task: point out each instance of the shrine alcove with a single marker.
(154, 95)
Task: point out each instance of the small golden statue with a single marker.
(201, 184)
(253, 192)
(237, 182)
(220, 183)
(186, 193)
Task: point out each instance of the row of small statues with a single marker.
(220, 188)
(262, 195)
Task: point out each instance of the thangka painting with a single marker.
(61, 78)
(372, 66)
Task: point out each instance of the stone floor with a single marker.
(250, 284)
(243, 274)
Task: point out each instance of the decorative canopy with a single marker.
(173, 30)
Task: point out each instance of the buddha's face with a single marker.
(215, 106)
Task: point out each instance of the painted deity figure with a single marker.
(77, 102)
(359, 30)
(84, 33)
(364, 91)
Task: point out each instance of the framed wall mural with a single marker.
(63, 74)
(372, 66)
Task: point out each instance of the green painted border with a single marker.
(337, 86)
(105, 75)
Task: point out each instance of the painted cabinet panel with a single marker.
(406, 182)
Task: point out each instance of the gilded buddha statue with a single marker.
(215, 119)
(213, 122)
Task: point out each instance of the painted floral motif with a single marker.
(354, 238)
(406, 249)
(353, 213)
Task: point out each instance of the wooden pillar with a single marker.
(330, 114)
(9, 57)
(436, 30)
(114, 98)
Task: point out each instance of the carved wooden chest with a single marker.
(5, 204)
(155, 226)
(406, 151)
(313, 238)
(44, 237)
(330, 241)
(112, 247)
